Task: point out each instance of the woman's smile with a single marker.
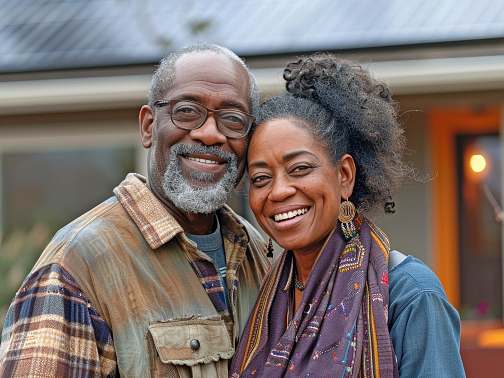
(290, 214)
(286, 219)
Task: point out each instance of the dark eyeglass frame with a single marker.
(225, 131)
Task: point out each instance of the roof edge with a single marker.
(414, 76)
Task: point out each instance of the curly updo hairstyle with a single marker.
(349, 112)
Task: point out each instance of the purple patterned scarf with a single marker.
(340, 328)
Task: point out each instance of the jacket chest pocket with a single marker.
(191, 347)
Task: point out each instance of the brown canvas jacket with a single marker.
(133, 262)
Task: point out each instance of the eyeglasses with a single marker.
(189, 115)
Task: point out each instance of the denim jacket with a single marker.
(423, 325)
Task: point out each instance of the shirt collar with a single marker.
(156, 223)
(150, 215)
(232, 227)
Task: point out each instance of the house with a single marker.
(74, 73)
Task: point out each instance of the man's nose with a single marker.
(208, 134)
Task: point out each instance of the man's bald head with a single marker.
(164, 76)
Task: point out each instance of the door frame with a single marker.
(444, 125)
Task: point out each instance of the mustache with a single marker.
(187, 149)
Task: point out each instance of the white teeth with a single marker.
(290, 214)
(205, 161)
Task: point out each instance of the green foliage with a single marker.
(18, 253)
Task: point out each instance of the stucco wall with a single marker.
(409, 228)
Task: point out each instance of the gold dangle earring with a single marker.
(346, 216)
(270, 248)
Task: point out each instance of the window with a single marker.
(43, 186)
(54, 187)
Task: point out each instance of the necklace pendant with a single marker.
(298, 284)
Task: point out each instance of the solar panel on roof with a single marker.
(37, 35)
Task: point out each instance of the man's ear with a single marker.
(347, 175)
(146, 124)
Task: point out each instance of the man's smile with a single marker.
(199, 160)
(204, 163)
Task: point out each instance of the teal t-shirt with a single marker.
(213, 246)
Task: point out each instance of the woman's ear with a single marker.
(347, 175)
(146, 124)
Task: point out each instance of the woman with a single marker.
(322, 156)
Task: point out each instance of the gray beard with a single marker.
(207, 198)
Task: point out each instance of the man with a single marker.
(159, 279)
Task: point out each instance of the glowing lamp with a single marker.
(477, 163)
